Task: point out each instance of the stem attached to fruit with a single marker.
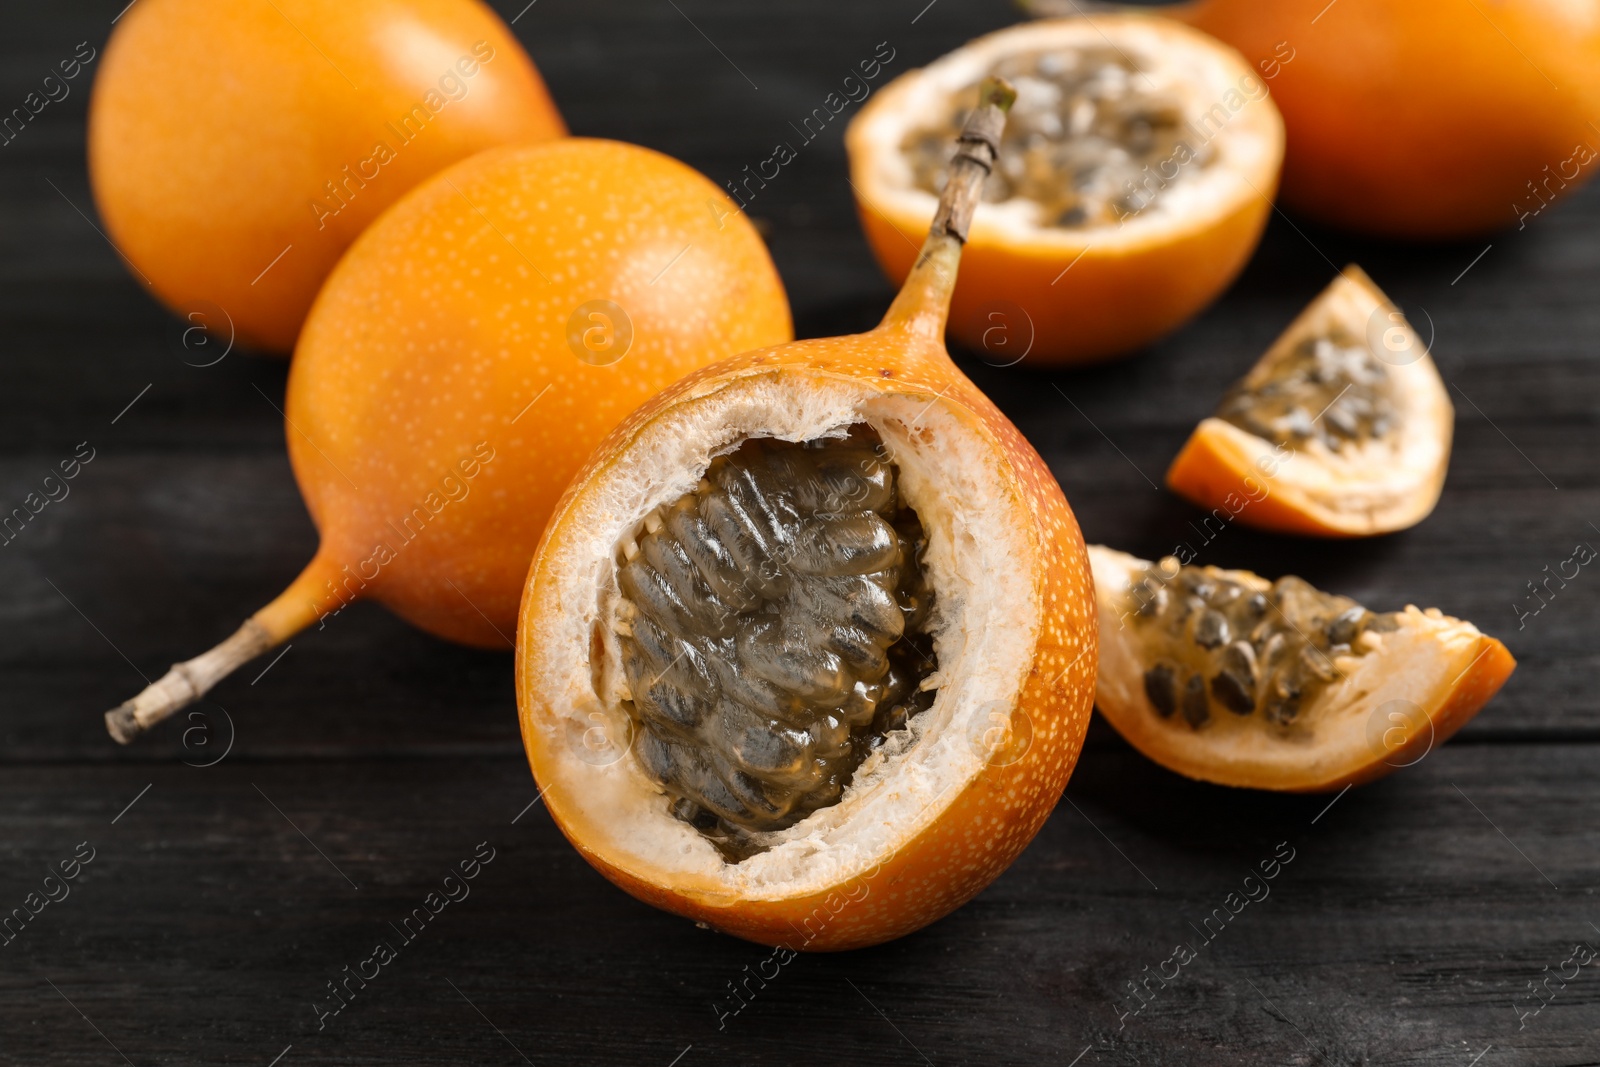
(924, 300)
(290, 612)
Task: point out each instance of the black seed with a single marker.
(845, 545)
(1227, 592)
(1161, 686)
(1232, 693)
(1195, 710)
(893, 719)
(1235, 686)
(657, 757)
(769, 749)
(1240, 658)
(1319, 663)
(1345, 626)
(1282, 709)
(717, 567)
(1212, 630)
(1384, 623)
(779, 653)
(1151, 598)
(1186, 607)
(671, 706)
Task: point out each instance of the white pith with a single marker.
(1379, 483)
(985, 632)
(1345, 728)
(1247, 146)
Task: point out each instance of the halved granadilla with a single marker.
(1136, 176)
(1341, 430)
(1227, 677)
(807, 653)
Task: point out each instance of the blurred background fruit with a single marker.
(463, 360)
(237, 149)
(1135, 180)
(1429, 118)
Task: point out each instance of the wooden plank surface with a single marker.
(1406, 929)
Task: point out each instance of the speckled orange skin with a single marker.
(1115, 303)
(1426, 118)
(990, 822)
(438, 331)
(214, 127)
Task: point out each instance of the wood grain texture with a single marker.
(1405, 931)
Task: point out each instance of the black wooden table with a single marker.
(1408, 928)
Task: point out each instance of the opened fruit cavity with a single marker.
(774, 630)
(1088, 127)
(1328, 388)
(1218, 644)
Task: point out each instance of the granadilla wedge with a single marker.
(1227, 677)
(1341, 430)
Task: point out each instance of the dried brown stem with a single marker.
(924, 300)
(977, 149)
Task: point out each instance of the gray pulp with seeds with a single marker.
(1329, 388)
(775, 631)
(1217, 645)
(1087, 140)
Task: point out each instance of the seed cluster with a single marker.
(1094, 138)
(775, 629)
(1215, 643)
(1331, 389)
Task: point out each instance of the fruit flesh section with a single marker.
(1329, 388)
(1095, 137)
(775, 632)
(1215, 644)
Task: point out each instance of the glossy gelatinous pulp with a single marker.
(1215, 644)
(1088, 127)
(1331, 389)
(774, 631)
